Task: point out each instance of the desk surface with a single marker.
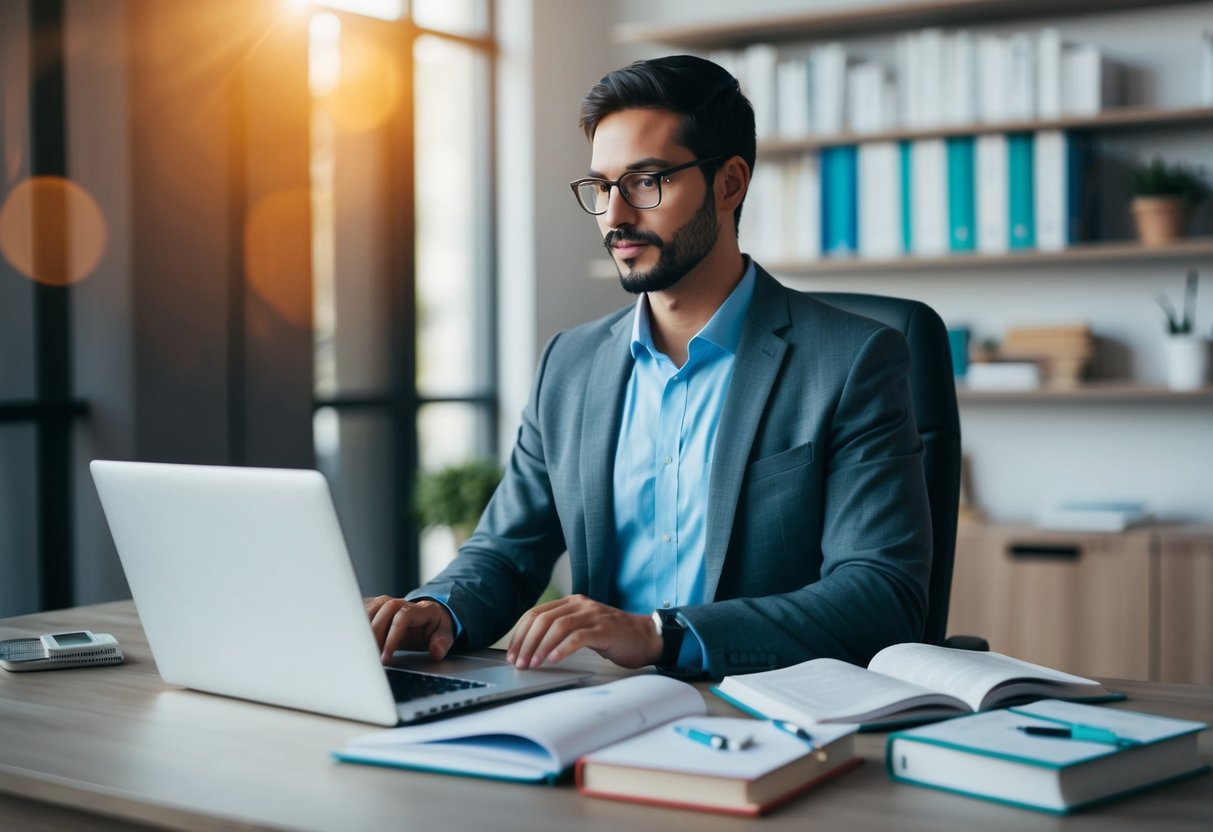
(118, 742)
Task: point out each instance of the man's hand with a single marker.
(552, 631)
(410, 625)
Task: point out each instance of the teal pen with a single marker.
(1086, 733)
(717, 741)
(800, 733)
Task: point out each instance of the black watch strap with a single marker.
(672, 633)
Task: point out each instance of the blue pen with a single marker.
(717, 741)
(800, 733)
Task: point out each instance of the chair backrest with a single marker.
(933, 389)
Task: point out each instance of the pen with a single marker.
(800, 733)
(717, 741)
(1087, 733)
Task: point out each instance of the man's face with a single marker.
(653, 248)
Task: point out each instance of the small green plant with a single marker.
(1157, 178)
(1175, 324)
(455, 496)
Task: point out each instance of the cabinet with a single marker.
(1184, 608)
(1135, 605)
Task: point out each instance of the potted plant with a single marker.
(456, 496)
(1163, 194)
(1186, 351)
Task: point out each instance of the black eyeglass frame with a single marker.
(657, 174)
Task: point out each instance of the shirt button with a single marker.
(665, 605)
(667, 459)
(665, 538)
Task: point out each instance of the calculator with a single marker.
(53, 651)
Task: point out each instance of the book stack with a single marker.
(644, 738)
(1063, 352)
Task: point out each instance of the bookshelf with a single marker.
(868, 20)
(1125, 118)
(1093, 392)
(1195, 248)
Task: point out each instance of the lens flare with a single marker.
(278, 253)
(368, 88)
(52, 230)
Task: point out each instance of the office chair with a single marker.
(933, 390)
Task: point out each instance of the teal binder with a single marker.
(839, 201)
(962, 194)
(907, 173)
(1021, 191)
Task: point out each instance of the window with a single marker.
(403, 259)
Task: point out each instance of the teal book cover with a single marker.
(1021, 196)
(840, 214)
(962, 211)
(1052, 756)
(907, 173)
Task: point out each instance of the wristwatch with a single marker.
(671, 631)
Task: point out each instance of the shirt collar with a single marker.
(723, 329)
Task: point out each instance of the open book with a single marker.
(903, 684)
(533, 740)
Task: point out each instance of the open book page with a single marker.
(828, 690)
(536, 737)
(982, 680)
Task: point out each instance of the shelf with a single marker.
(1111, 391)
(1127, 118)
(886, 18)
(1119, 251)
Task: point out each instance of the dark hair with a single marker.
(717, 120)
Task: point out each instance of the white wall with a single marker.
(1022, 455)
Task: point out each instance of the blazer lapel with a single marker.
(605, 387)
(759, 356)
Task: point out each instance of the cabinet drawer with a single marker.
(1075, 602)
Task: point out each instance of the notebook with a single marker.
(244, 587)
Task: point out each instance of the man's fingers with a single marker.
(517, 653)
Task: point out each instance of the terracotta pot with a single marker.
(1160, 219)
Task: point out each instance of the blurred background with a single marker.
(336, 235)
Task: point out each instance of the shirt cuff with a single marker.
(691, 658)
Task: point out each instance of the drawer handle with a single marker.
(1044, 551)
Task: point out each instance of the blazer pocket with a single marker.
(780, 462)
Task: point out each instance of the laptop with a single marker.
(245, 588)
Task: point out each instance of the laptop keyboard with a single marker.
(409, 684)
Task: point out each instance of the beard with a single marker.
(685, 250)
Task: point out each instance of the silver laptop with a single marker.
(244, 587)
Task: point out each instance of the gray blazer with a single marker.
(818, 540)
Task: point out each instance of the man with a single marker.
(733, 467)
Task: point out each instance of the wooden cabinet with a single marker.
(1136, 605)
(1184, 608)
(1076, 602)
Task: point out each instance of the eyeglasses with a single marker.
(640, 189)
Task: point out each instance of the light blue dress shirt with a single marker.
(663, 462)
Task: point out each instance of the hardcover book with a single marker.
(903, 684)
(1053, 756)
(766, 767)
